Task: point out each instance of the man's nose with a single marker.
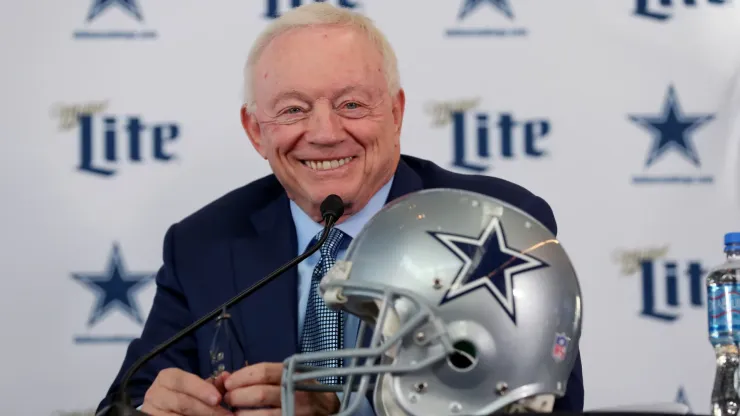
(325, 126)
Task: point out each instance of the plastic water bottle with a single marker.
(723, 310)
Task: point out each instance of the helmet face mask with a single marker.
(467, 306)
(396, 313)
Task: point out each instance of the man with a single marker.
(324, 107)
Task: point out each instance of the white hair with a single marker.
(320, 14)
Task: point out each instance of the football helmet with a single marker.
(468, 306)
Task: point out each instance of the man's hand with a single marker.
(258, 386)
(178, 393)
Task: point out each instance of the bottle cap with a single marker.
(732, 239)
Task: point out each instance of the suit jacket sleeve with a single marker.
(169, 314)
(573, 399)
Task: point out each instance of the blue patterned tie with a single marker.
(323, 328)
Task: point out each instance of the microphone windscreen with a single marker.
(332, 205)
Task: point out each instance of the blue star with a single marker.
(672, 129)
(99, 6)
(469, 6)
(487, 263)
(114, 288)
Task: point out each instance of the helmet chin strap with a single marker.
(385, 404)
(536, 404)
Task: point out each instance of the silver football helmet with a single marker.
(472, 307)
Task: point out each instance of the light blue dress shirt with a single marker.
(306, 230)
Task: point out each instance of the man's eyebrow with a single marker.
(289, 94)
(304, 97)
(354, 88)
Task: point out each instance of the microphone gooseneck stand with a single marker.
(332, 208)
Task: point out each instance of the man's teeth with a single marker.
(326, 164)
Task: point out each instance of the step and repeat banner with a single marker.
(120, 117)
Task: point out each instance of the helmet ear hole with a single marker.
(465, 357)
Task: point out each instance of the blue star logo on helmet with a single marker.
(488, 263)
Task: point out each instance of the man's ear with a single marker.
(399, 106)
(252, 128)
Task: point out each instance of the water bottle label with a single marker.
(724, 308)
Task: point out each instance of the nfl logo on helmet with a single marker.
(560, 348)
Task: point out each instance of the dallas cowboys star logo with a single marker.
(114, 288)
(469, 6)
(488, 263)
(99, 6)
(672, 130)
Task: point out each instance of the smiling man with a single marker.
(324, 106)
(325, 128)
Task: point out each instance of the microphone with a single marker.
(332, 208)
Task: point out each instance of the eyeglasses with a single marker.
(221, 351)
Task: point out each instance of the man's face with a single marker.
(325, 120)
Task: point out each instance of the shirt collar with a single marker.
(306, 228)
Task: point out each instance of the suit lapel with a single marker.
(269, 318)
(405, 181)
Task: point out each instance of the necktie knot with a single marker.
(331, 246)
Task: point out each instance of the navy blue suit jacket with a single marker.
(241, 237)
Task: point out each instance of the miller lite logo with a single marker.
(668, 286)
(482, 138)
(109, 142)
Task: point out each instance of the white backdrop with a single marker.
(592, 86)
